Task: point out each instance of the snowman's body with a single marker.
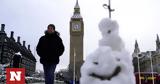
(110, 63)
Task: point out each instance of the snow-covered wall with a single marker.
(110, 63)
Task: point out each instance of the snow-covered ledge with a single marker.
(110, 63)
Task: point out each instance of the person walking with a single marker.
(49, 48)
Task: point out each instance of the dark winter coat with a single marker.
(50, 48)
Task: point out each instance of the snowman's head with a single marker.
(104, 64)
(108, 27)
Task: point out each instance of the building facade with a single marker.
(76, 42)
(8, 48)
(148, 61)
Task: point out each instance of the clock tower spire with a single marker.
(77, 5)
(76, 13)
(76, 42)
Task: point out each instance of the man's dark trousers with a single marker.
(49, 70)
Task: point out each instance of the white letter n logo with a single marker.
(15, 75)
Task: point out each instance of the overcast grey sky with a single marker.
(138, 19)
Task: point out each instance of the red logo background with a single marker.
(22, 81)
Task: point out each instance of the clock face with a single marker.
(76, 27)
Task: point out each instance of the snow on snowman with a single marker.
(110, 63)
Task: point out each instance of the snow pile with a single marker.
(18, 53)
(110, 63)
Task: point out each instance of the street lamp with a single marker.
(151, 67)
(109, 8)
(74, 69)
(139, 71)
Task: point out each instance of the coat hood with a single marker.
(54, 33)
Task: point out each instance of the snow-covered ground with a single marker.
(110, 63)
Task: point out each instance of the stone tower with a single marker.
(76, 42)
(136, 49)
(158, 44)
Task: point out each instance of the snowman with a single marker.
(110, 63)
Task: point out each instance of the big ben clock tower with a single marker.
(76, 42)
